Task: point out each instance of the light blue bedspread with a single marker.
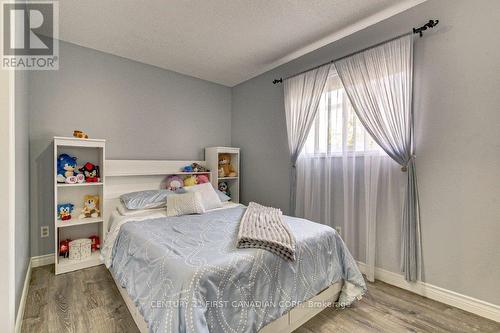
(185, 273)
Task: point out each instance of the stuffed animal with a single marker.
(190, 181)
(96, 243)
(195, 167)
(221, 172)
(64, 248)
(64, 211)
(187, 168)
(90, 206)
(198, 168)
(174, 182)
(224, 188)
(202, 179)
(225, 163)
(91, 173)
(66, 169)
(80, 134)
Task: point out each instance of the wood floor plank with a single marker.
(89, 301)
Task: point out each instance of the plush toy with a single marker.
(224, 188)
(96, 243)
(90, 206)
(190, 181)
(225, 163)
(221, 172)
(64, 211)
(187, 168)
(202, 179)
(64, 248)
(195, 167)
(91, 173)
(198, 168)
(80, 134)
(66, 169)
(174, 182)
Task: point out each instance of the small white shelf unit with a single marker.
(212, 160)
(86, 150)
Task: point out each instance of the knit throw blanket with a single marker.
(263, 228)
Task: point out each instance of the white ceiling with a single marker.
(223, 41)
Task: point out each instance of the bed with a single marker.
(185, 274)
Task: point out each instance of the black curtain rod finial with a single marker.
(430, 24)
(280, 80)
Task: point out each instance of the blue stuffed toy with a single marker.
(66, 169)
(187, 168)
(64, 211)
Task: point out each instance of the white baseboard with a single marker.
(24, 296)
(34, 262)
(466, 303)
(46, 259)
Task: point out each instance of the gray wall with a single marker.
(22, 226)
(457, 130)
(144, 113)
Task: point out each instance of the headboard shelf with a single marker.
(123, 176)
(126, 168)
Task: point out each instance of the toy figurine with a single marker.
(66, 169)
(90, 206)
(64, 248)
(96, 244)
(64, 211)
(80, 134)
(91, 173)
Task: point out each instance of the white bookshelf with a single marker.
(86, 150)
(212, 160)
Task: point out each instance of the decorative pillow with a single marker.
(222, 196)
(209, 197)
(184, 204)
(147, 199)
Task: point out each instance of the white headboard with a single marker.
(123, 176)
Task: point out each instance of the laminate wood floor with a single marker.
(89, 301)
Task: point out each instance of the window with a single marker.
(336, 129)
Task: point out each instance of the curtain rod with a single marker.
(419, 30)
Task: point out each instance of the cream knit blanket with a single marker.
(263, 228)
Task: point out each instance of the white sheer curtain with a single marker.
(379, 84)
(302, 95)
(344, 179)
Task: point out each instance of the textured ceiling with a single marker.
(223, 41)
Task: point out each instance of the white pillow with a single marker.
(209, 197)
(124, 211)
(184, 204)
